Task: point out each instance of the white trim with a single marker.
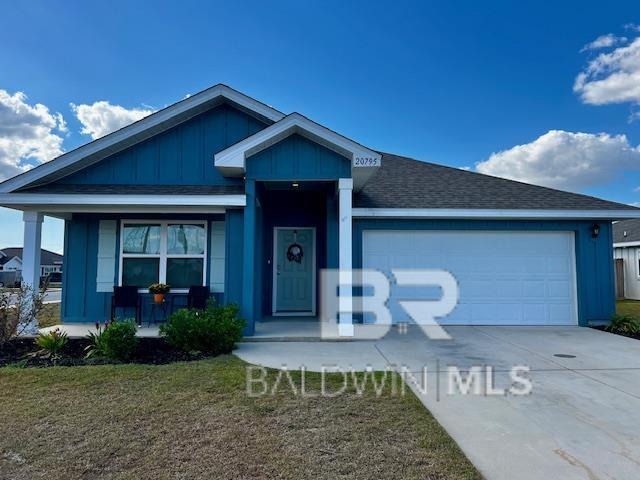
(274, 276)
(638, 263)
(626, 244)
(21, 199)
(163, 256)
(32, 249)
(345, 245)
(141, 130)
(492, 213)
(232, 160)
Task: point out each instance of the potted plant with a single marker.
(159, 290)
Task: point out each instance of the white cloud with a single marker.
(604, 41)
(27, 134)
(612, 77)
(565, 160)
(632, 26)
(102, 118)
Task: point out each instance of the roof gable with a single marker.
(364, 161)
(180, 155)
(139, 131)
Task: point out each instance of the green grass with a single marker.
(195, 420)
(49, 315)
(628, 307)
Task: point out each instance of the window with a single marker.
(167, 252)
(638, 262)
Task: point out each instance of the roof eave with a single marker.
(141, 130)
(495, 214)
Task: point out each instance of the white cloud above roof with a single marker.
(604, 41)
(565, 160)
(102, 117)
(29, 134)
(611, 77)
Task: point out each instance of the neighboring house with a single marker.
(626, 252)
(224, 191)
(11, 260)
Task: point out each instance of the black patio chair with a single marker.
(197, 298)
(125, 298)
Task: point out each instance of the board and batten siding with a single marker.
(297, 158)
(183, 155)
(91, 265)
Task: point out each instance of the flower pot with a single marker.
(158, 297)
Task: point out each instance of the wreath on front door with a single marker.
(295, 253)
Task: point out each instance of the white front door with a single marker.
(294, 271)
(505, 277)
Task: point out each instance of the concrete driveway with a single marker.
(580, 421)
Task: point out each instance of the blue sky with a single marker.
(448, 82)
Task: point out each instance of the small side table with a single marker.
(158, 309)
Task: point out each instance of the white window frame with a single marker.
(638, 263)
(163, 256)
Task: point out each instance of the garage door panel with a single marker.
(505, 278)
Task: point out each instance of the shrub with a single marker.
(624, 324)
(52, 343)
(212, 331)
(116, 341)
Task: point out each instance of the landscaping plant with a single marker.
(623, 324)
(116, 341)
(51, 344)
(19, 309)
(212, 331)
(159, 288)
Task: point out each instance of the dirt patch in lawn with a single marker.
(195, 420)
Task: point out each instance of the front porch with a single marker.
(270, 329)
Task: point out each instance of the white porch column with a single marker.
(31, 260)
(31, 248)
(345, 245)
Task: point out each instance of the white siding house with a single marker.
(626, 252)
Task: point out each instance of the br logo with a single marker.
(339, 301)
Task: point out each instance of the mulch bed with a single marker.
(154, 351)
(629, 335)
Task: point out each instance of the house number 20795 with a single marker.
(366, 162)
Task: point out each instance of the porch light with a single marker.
(295, 184)
(595, 230)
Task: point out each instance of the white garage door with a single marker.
(505, 278)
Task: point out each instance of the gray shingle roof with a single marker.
(138, 189)
(403, 182)
(46, 257)
(630, 227)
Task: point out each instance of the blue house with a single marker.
(223, 191)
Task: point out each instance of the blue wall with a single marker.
(298, 158)
(594, 256)
(80, 300)
(181, 155)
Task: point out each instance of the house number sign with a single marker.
(366, 162)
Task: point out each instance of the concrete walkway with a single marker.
(580, 421)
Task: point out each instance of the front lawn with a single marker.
(195, 420)
(628, 307)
